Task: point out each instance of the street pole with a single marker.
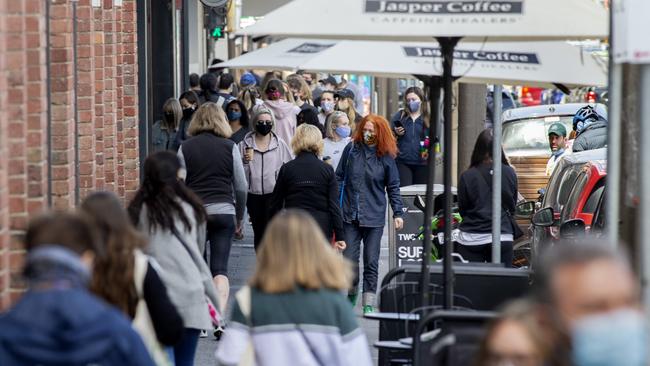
(496, 176)
(613, 191)
(644, 172)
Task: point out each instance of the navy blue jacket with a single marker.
(68, 327)
(409, 143)
(364, 179)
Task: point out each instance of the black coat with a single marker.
(475, 199)
(309, 184)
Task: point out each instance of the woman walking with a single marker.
(174, 220)
(238, 119)
(411, 126)
(163, 133)
(285, 112)
(125, 278)
(263, 154)
(310, 184)
(337, 132)
(190, 103)
(366, 173)
(475, 205)
(293, 311)
(219, 182)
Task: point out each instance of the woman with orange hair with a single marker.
(366, 172)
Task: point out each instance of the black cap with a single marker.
(329, 80)
(344, 93)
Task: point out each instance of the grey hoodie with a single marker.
(262, 171)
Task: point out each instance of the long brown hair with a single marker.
(294, 252)
(386, 144)
(113, 271)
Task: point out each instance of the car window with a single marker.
(599, 219)
(532, 133)
(554, 183)
(592, 202)
(574, 196)
(568, 180)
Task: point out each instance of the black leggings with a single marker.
(412, 174)
(258, 210)
(483, 253)
(221, 229)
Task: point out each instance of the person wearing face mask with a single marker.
(189, 104)
(285, 112)
(366, 174)
(357, 99)
(590, 295)
(345, 103)
(238, 118)
(337, 131)
(411, 126)
(301, 93)
(263, 154)
(327, 106)
(163, 132)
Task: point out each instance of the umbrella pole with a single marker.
(434, 111)
(497, 99)
(447, 46)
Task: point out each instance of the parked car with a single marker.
(525, 141)
(556, 196)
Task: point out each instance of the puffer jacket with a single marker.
(286, 118)
(593, 137)
(364, 180)
(262, 171)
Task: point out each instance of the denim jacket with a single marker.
(364, 179)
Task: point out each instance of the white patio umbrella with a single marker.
(289, 54)
(513, 63)
(447, 21)
(421, 20)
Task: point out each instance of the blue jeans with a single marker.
(185, 350)
(371, 237)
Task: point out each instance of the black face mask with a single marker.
(263, 129)
(187, 113)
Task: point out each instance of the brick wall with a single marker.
(96, 142)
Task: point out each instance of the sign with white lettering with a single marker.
(475, 55)
(444, 7)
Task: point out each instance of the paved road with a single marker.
(241, 266)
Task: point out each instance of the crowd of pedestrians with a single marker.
(315, 177)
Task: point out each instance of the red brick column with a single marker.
(4, 141)
(129, 95)
(62, 104)
(88, 170)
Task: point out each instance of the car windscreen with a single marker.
(531, 133)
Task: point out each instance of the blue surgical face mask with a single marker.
(327, 107)
(414, 105)
(343, 131)
(613, 338)
(234, 116)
